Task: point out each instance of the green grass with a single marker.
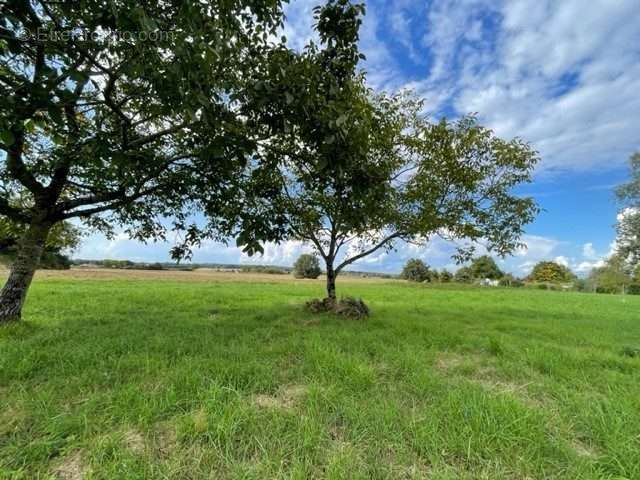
(166, 379)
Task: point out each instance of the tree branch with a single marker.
(349, 261)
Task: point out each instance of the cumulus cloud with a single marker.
(560, 75)
(588, 251)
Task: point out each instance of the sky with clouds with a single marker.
(563, 75)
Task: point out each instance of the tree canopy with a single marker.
(415, 270)
(124, 116)
(415, 179)
(485, 267)
(551, 272)
(307, 266)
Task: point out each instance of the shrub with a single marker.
(634, 289)
(446, 276)
(415, 270)
(464, 275)
(307, 266)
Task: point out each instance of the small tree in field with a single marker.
(485, 267)
(551, 272)
(446, 276)
(307, 266)
(415, 180)
(355, 172)
(115, 129)
(415, 270)
(610, 278)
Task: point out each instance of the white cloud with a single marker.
(562, 260)
(586, 266)
(283, 253)
(588, 251)
(558, 74)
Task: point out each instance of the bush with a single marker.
(464, 275)
(415, 270)
(446, 276)
(634, 289)
(307, 266)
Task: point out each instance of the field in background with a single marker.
(143, 374)
(197, 275)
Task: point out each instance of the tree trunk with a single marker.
(14, 292)
(331, 282)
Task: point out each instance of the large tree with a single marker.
(628, 228)
(122, 114)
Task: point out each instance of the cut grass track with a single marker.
(149, 378)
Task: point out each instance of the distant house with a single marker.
(487, 282)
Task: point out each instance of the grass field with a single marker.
(131, 375)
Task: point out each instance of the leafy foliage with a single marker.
(485, 267)
(628, 229)
(610, 278)
(446, 276)
(551, 272)
(129, 119)
(415, 270)
(307, 266)
(63, 238)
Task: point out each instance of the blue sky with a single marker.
(563, 75)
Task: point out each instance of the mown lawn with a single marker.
(145, 379)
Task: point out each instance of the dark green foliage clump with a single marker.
(307, 266)
(446, 276)
(631, 352)
(634, 289)
(416, 270)
(464, 275)
(485, 267)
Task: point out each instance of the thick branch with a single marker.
(18, 170)
(349, 261)
(12, 212)
(110, 206)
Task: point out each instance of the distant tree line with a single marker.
(546, 275)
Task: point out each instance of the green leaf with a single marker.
(7, 137)
(289, 98)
